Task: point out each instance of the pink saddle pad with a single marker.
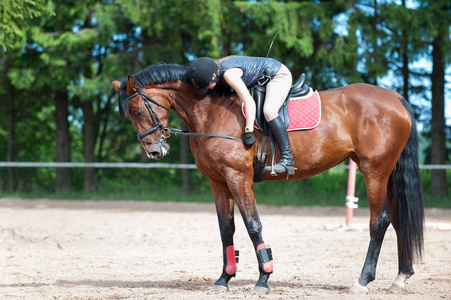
(303, 112)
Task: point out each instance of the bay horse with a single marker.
(371, 125)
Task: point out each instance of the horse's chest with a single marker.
(211, 170)
(218, 161)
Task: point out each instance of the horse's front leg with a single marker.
(224, 208)
(243, 190)
(264, 255)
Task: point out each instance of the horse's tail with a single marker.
(407, 205)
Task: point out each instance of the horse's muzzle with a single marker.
(156, 151)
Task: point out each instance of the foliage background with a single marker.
(57, 60)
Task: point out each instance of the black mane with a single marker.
(158, 73)
(161, 72)
(152, 74)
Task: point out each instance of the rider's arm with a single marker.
(233, 78)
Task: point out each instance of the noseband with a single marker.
(160, 127)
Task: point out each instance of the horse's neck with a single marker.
(208, 115)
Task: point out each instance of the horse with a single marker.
(373, 126)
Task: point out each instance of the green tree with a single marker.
(439, 37)
(14, 18)
(395, 36)
(307, 39)
(62, 48)
(176, 32)
(14, 15)
(26, 130)
(60, 105)
(373, 40)
(404, 46)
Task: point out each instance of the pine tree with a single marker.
(14, 15)
(307, 41)
(438, 33)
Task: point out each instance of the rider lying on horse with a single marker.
(241, 73)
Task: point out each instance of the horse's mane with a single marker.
(161, 72)
(158, 73)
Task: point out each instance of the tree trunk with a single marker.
(12, 172)
(184, 159)
(89, 137)
(63, 175)
(405, 62)
(438, 137)
(101, 127)
(405, 75)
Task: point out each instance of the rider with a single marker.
(241, 73)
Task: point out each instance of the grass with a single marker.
(326, 189)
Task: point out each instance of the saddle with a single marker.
(258, 91)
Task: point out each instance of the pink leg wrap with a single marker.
(267, 266)
(231, 267)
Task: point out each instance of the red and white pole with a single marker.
(350, 196)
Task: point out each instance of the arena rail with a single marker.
(95, 165)
(351, 200)
(14, 164)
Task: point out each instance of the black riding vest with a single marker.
(253, 68)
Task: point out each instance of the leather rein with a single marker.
(160, 127)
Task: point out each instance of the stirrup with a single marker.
(281, 168)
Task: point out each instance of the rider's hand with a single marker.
(249, 138)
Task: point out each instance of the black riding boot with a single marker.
(286, 163)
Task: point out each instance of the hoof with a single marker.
(399, 284)
(396, 288)
(261, 290)
(358, 289)
(216, 288)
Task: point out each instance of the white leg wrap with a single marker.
(359, 289)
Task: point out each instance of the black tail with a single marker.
(407, 206)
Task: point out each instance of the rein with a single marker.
(159, 125)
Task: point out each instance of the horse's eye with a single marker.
(139, 112)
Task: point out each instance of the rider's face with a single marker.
(213, 82)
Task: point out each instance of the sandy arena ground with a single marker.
(136, 250)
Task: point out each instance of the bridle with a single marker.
(159, 125)
(156, 120)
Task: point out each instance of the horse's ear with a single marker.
(131, 85)
(116, 85)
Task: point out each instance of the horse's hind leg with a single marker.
(380, 219)
(224, 208)
(405, 270)
(378, 229)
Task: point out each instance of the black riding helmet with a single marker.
(201, 73)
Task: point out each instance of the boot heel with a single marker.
(290, 170)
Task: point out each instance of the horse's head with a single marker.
(148, 110)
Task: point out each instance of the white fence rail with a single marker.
(96, 165)
(6, 164)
